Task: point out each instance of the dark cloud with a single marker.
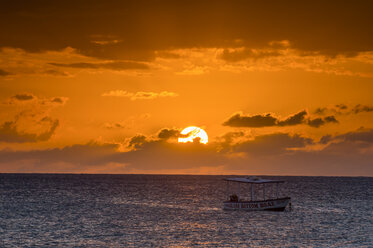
(363, 138)
(341, 106)
(166, 133)
(32, 115)
(26, 97)
(136, 29)
(330, 119)
(338, 109)
(343, 109)
(239, 120)
(294, 119)
(361, 108)
(346, 154)
(165, 155)
(80, 155)
(46, 119)
(137, 141)
(114, 125)
(153, 155)
(118, 66)
(10, 134)
(59, 100)
(359, 143)
(243, 54)
(325, 139)
(317, 122)
(56, 73)
(273, 144)
(229, 137)
(23, 97)
(4, 73)
(347, 147)
(226, 141)
(320, 111)
(53, 101)
(357, 136)
(158, 154)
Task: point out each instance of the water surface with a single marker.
(178, 211)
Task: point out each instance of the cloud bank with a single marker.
(278, 153)
(268, 120)
(113, 30)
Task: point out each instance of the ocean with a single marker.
(63, 210)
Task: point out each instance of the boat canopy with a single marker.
(254, 180)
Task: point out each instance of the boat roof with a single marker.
(256, 180)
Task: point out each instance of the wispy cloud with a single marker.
(141, 95)
(10, 133)
(4, 73)
(362, 108)
(27, 98)
(343, 109)
(113, 65)
(23, 97)
(31, 121)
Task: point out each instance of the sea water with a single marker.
(46, 210)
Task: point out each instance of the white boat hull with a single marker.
(270, 205)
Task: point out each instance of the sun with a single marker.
(191, 133)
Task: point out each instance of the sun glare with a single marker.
(191, 133)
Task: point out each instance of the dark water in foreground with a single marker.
(178, 211)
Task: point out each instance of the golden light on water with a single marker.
(191, 133)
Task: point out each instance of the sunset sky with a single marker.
(280, 87)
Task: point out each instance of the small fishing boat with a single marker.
(268, 199)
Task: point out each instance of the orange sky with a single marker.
(281, 88)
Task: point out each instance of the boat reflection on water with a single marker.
(268, 200)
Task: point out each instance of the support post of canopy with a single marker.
(252, 192)
(264, 191)
(273, 190)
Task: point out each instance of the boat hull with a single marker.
(278, 204)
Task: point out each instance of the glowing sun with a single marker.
(191, 133)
